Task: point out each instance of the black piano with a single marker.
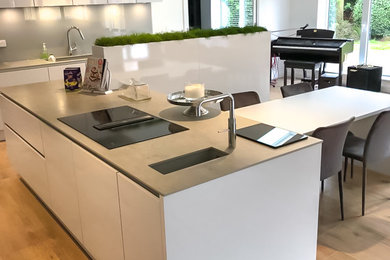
(313, 49)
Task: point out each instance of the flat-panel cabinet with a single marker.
(24, 3)
(62, 179)
(53, 3)
(99, 206)
(89, 2)
(7, 3)
(121, 1)
(142, 221)
(28, 163)
(57, 72)
(20, 77)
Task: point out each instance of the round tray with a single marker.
(177, 98)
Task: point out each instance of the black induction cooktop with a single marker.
(120, 126)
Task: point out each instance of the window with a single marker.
(238, 13)
(368, 23)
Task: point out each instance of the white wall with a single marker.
(170, 15)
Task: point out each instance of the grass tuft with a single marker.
(172, 36)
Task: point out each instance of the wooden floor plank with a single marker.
(27, 229)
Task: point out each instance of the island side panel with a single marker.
(250, 214)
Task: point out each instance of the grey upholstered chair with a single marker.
(333, 138)
(373, 149)
(295, 89)
(241, 99)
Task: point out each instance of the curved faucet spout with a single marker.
(70, 47)
(231, 120)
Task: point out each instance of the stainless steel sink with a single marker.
(73, 57)
(187, 160)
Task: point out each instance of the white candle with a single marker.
(194, 91)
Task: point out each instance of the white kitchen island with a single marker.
(255, 203)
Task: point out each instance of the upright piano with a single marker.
(313, 49)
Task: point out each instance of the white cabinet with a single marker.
(7, 3)
(89, 2)
(121, 1)
(147, 1)
(53, 3)
(57, 72)
(20, 77)
(99, 206)
(22, 122)
(28, 163)
(142, 221)
(62, 179)
(24, 3)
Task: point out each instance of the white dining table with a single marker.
(304, 113)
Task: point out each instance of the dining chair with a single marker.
(295, 89)
(241, 99)
(333, 139)
(375, 148)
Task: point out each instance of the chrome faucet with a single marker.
(70, 48)
(231, 120)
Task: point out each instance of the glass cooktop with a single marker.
(120, 126)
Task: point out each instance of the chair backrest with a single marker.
(315, 33)
(333, 138)
(377, 145)
(241, 99)
(295, 89)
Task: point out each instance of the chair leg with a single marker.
(341, 195)
(351, 168)
(285, 77)
(292, 75)
(322, 186)
(364, 188)
(345, 168)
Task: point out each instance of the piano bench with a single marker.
(305, 65)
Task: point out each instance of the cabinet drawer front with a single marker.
(53, 3)
(57, 72)
(23, 123)
(13, 78)
(28, 163)
(61, 179)
(99, 205)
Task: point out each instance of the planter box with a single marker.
(228, 64)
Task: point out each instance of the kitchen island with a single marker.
(249, 204)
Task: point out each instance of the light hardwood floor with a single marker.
(28, 231)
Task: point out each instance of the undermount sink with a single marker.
(187, 160)
(73, 57)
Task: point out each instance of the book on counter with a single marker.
(96, 75)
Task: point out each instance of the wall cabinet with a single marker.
(89, 2)
(7, 3)
(53, 3)
(99, 206)
(61, 179)
(121, 1)
(24, 3)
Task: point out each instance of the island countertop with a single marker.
(48, 101)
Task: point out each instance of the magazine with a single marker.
(96, 79)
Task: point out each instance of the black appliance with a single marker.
(365, 77)
(313, 49)
(120, 126)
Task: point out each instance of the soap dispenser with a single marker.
(44, 53)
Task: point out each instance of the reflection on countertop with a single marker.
(37, 63)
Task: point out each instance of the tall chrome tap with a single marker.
(74, 47)
(231, 120)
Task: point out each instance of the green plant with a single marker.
(170, 36)
(380, 17)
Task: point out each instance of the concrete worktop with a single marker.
(49, 101)
(39, 63)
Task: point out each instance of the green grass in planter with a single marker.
(172, 36)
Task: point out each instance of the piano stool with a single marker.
(328, 80)
(305, 65)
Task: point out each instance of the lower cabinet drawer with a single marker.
(23, 123)
(28, 163)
